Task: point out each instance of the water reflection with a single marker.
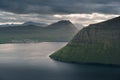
(7, 48)
(28, 52)
(31, 62)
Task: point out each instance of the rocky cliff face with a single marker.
(97, 43)
(92, 35)
(107, 32)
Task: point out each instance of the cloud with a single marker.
(61, 6)
(80, 12)
(9, 17)
(86, 19)
(81, 19)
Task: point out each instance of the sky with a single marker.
(79, 12)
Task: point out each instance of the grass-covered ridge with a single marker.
(93, 44)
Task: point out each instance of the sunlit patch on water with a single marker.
(28, 52)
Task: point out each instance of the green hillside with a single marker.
(97, 43)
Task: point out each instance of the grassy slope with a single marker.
(99, 43)
(88, 53)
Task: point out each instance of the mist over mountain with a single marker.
(96, 43)
(37, 32)
(34, 24)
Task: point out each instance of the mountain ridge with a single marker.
(111, 23)
(34, 24)
(33, 33)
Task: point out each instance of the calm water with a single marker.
(32, 62)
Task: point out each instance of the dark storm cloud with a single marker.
(60, 6)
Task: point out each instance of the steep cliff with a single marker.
(97, 43)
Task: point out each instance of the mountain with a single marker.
(9, 25)
(30, 32)
(62, 24)
(29, 23)
(96, 43)
(34, 23)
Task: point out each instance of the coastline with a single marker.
(86, 63)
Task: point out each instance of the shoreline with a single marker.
(83, 63)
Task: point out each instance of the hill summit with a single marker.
(62, 24)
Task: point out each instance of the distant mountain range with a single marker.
(36, 32)
(30, 23)
(97, 43)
